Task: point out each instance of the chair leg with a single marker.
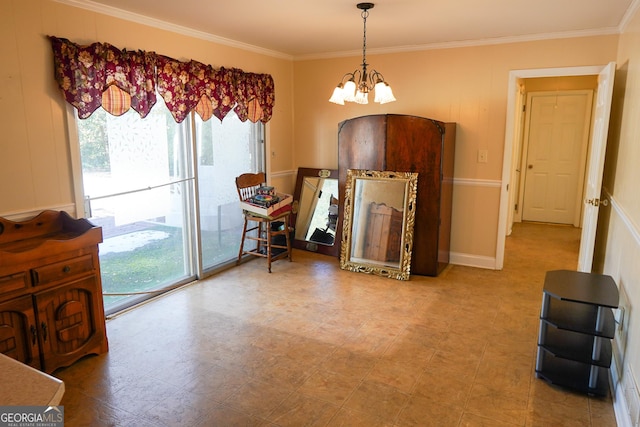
(258, 241)
(244, 233)
(288, 240)
(269, 237)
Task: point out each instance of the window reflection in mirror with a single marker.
(316, 210)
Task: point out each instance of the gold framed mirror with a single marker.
(315, 211)
(379, 216)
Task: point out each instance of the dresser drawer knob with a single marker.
(66, 269)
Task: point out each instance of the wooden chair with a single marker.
(267, 227)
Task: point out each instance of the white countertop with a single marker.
(23, 385)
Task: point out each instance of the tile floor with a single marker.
(312, 345)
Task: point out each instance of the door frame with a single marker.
(511, 131)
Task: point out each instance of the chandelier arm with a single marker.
(350, 75)
(376, 77)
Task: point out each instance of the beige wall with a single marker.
(463, 85)
(618, 241)
(35, 171)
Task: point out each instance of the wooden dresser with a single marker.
(51, 309)
(403, 143)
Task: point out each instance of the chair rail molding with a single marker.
(27, 214)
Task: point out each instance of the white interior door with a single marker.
(557, 135)
(516, 175)
(595, 166)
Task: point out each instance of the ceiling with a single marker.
(302, 29)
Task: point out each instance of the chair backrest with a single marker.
(248, 183)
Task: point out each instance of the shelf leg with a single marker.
(542, 333)
(545, 305)
(597, 343)
(593, 377)
(539, 359)
(600, 319)
(597, 346)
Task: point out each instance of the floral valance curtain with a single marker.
(101, 75)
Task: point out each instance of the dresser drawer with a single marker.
(13, 283)
(62, 270)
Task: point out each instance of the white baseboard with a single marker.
(471, 260)
(625, 396)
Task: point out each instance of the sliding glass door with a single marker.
(224, 151)
(139, 180)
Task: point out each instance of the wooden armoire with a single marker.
(404, 143)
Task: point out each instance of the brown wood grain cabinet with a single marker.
(382, 235)
(51, 309)
(404, 143)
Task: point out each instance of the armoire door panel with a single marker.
(416, 147)
(367, 144)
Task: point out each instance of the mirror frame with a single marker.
(332, 250)
(402, 272)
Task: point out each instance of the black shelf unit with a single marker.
(576, 329)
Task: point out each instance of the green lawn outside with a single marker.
(160, 263)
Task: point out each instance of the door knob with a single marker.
(530, 166)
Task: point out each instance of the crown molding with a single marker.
(633, 7)
(467, 43)
(164, 25)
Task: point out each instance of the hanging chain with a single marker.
(365, 14)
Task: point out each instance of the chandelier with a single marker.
(358, 92)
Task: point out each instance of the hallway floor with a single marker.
(313, 345)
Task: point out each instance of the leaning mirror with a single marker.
(315, 210)
(379, 215)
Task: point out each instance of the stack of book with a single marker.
(267, 190)
(265, 197)
(267, 202)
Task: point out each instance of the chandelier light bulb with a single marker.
(338, 95)
(350, 91)
(362, 97)
(384, 94)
